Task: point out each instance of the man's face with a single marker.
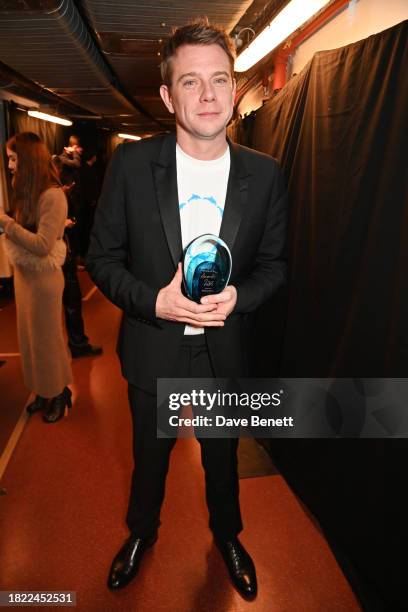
(12, 160)
(202, 91)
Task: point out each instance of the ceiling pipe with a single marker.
(114, 83)
(73, 33)
(287, 49)
(280, 69)
(281, 54)
(19, 87)
(317, 23)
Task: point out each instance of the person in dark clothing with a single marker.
(91, 182)
(69, 163)
(78, 341)
(70, 158)
(159, 194)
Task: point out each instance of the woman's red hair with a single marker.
(34, 174)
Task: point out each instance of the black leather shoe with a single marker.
(40, 403)
(88, 350)
(58, 406)
(240, 566)
(126, 563)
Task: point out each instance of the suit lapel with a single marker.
(165, 179)
(236, 198)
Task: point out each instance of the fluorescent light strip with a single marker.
(294, 15)
(130, 136)
(51, 118)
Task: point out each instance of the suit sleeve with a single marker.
(270, 269)
(108, 251)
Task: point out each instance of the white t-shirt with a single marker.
(202, 187)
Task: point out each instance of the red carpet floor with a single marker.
(62, 519)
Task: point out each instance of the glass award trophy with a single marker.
(207, 266)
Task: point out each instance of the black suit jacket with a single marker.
(136, 245)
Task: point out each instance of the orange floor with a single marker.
(62, 519)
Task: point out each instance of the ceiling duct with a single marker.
(48, 42)
(16, 88)
(130, 33)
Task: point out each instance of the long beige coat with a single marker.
(38, 293)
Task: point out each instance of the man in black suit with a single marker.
(158, 195)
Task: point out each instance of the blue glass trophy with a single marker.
(207, 266)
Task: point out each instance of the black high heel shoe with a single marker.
(58, 406)
(40, 403)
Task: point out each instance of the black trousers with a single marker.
(152, 454)
(72, 301)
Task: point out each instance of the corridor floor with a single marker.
(66, 489)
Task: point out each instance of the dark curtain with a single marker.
(339, 131)
(242, 130)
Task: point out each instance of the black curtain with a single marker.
(339, 131)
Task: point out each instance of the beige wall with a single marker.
(358, 20)
(251, 101)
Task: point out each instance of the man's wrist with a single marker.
(157, 304)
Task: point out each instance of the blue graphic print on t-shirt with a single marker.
(210, 199)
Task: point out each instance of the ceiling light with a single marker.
(290, 18)
(129, 136)
(47, 117)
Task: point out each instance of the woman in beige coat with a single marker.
(37, 251)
